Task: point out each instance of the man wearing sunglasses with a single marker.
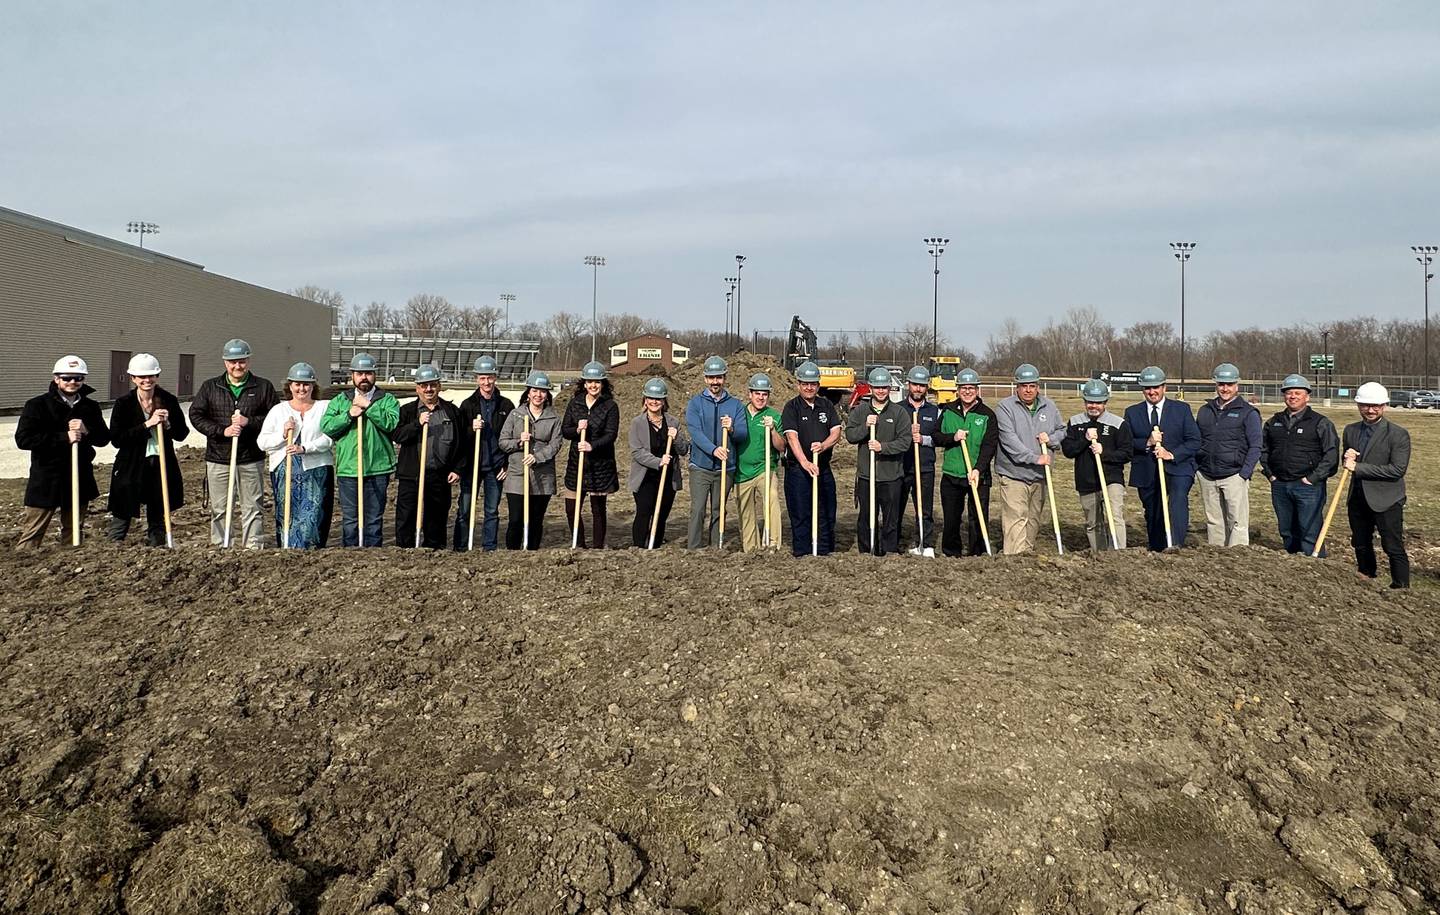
(53, 423)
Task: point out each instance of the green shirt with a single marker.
(237, 389)
(752, 456)
(975, 424)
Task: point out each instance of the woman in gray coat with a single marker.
(651, 433)
(545, 441)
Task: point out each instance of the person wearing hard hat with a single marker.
(811, 427)
(381, 412)
(764, 422)
(50, 426)
(233, 406)
(1165, 428)
(444, 447)
(545, 440)
(924, 427)
(1377, 453)
(135, 477)
(966, 422)
(1300, 450)
(1098, 431)
(482, 414)
(706, 415)
(291, 434)
(1027, 420)
(657, 441)
(1230, 433)
(890, 444)
(593, 408)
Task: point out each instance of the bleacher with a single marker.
(400, 352)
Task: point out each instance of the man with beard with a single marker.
(229, 411)
(707, 414)
(363, 407)
(434, 424)
(51, 427)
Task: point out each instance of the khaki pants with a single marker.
(35, 521)
(750, 506)
(249, 487)
(1021, 506)
(1227, 510)
(1097, 526)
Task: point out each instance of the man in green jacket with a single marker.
(376, 412)
(966, 424)
(889, 444)
(752, 487)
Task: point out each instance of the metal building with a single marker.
(65, 290)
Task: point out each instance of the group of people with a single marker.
(470, 454)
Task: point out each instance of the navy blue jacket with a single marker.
(1229, 439)
(929, 428)
(1182, 439)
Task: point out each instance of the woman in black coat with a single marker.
(592, 408)
(135, 481)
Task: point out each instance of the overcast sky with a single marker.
(388, 149)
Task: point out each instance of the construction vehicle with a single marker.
(943, 370)
(837, 377)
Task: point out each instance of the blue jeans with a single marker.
(376, 486)
(1300, 509)
(490, 508)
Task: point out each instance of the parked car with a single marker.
(1425, 400)
(1400, 398)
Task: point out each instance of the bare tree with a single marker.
(429, 312)
(320, 295)
(563, 331)
(482, 321)
(375, 316)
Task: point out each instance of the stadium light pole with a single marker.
(505, 299)
(594, 262)
(936, 247)
(1183, 250)
(731, 282)
(1425, 254)
(142, 229)
(739, 265)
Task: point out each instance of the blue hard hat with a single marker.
(485, 365)
(426, 372)
(1027, 374)
(760, 382)
(808, 371)
(715, 366)
(538, 380)
(657, 389)
(918, 375)
(1226, 373)
(593, 371)
(880, 378)
(1152, 376)
(301, 371)
(1295, 381)
(362, 362)
(967, 376)
(236, 349)
(1095, 391)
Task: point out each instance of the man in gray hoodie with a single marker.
(1030, 428)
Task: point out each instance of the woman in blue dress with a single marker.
(292, 433)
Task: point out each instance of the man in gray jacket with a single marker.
(1030, 428)
(1377, 452)
(889, 444)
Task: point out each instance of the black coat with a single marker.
(43, 431)
(469, 409)
(212, 407)
(603, 429)
(127, 426)
(408, 432)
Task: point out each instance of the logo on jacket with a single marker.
(822, 417)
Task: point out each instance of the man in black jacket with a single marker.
(1098, 431)
(1377, 452)
(482, 414)
(1299, 452)
(50, 428)
(443, 448)
(229, 410)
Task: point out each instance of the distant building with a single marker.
(64, 290)
(647, 350)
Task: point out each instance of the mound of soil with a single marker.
(398, 732)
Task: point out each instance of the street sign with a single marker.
(1113, 378)
(1322, 361)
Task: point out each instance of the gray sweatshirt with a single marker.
(1019, 449)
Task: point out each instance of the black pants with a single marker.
(118, 527)
(437, 511)
(515, 522)
(645, 509)
(1364, 522)
(959, 511)
(598, 523)
(888, 505)
(927, 506)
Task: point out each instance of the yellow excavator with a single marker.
(943, 370)
(837, 377)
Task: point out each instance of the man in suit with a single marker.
(1299, 452)
(1164, 429)
(1377, 452)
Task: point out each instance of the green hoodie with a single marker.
(381, 417)
(975, 423)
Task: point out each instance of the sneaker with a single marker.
(915, 551)
(929, 552)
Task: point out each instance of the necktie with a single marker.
(1154, 416)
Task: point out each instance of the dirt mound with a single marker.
(688, 379)
(400, 732)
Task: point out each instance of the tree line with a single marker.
(1080, 342)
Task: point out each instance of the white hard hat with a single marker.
(71, 365)
(1373, 393)
(143, 364)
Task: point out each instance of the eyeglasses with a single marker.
(71, 377)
